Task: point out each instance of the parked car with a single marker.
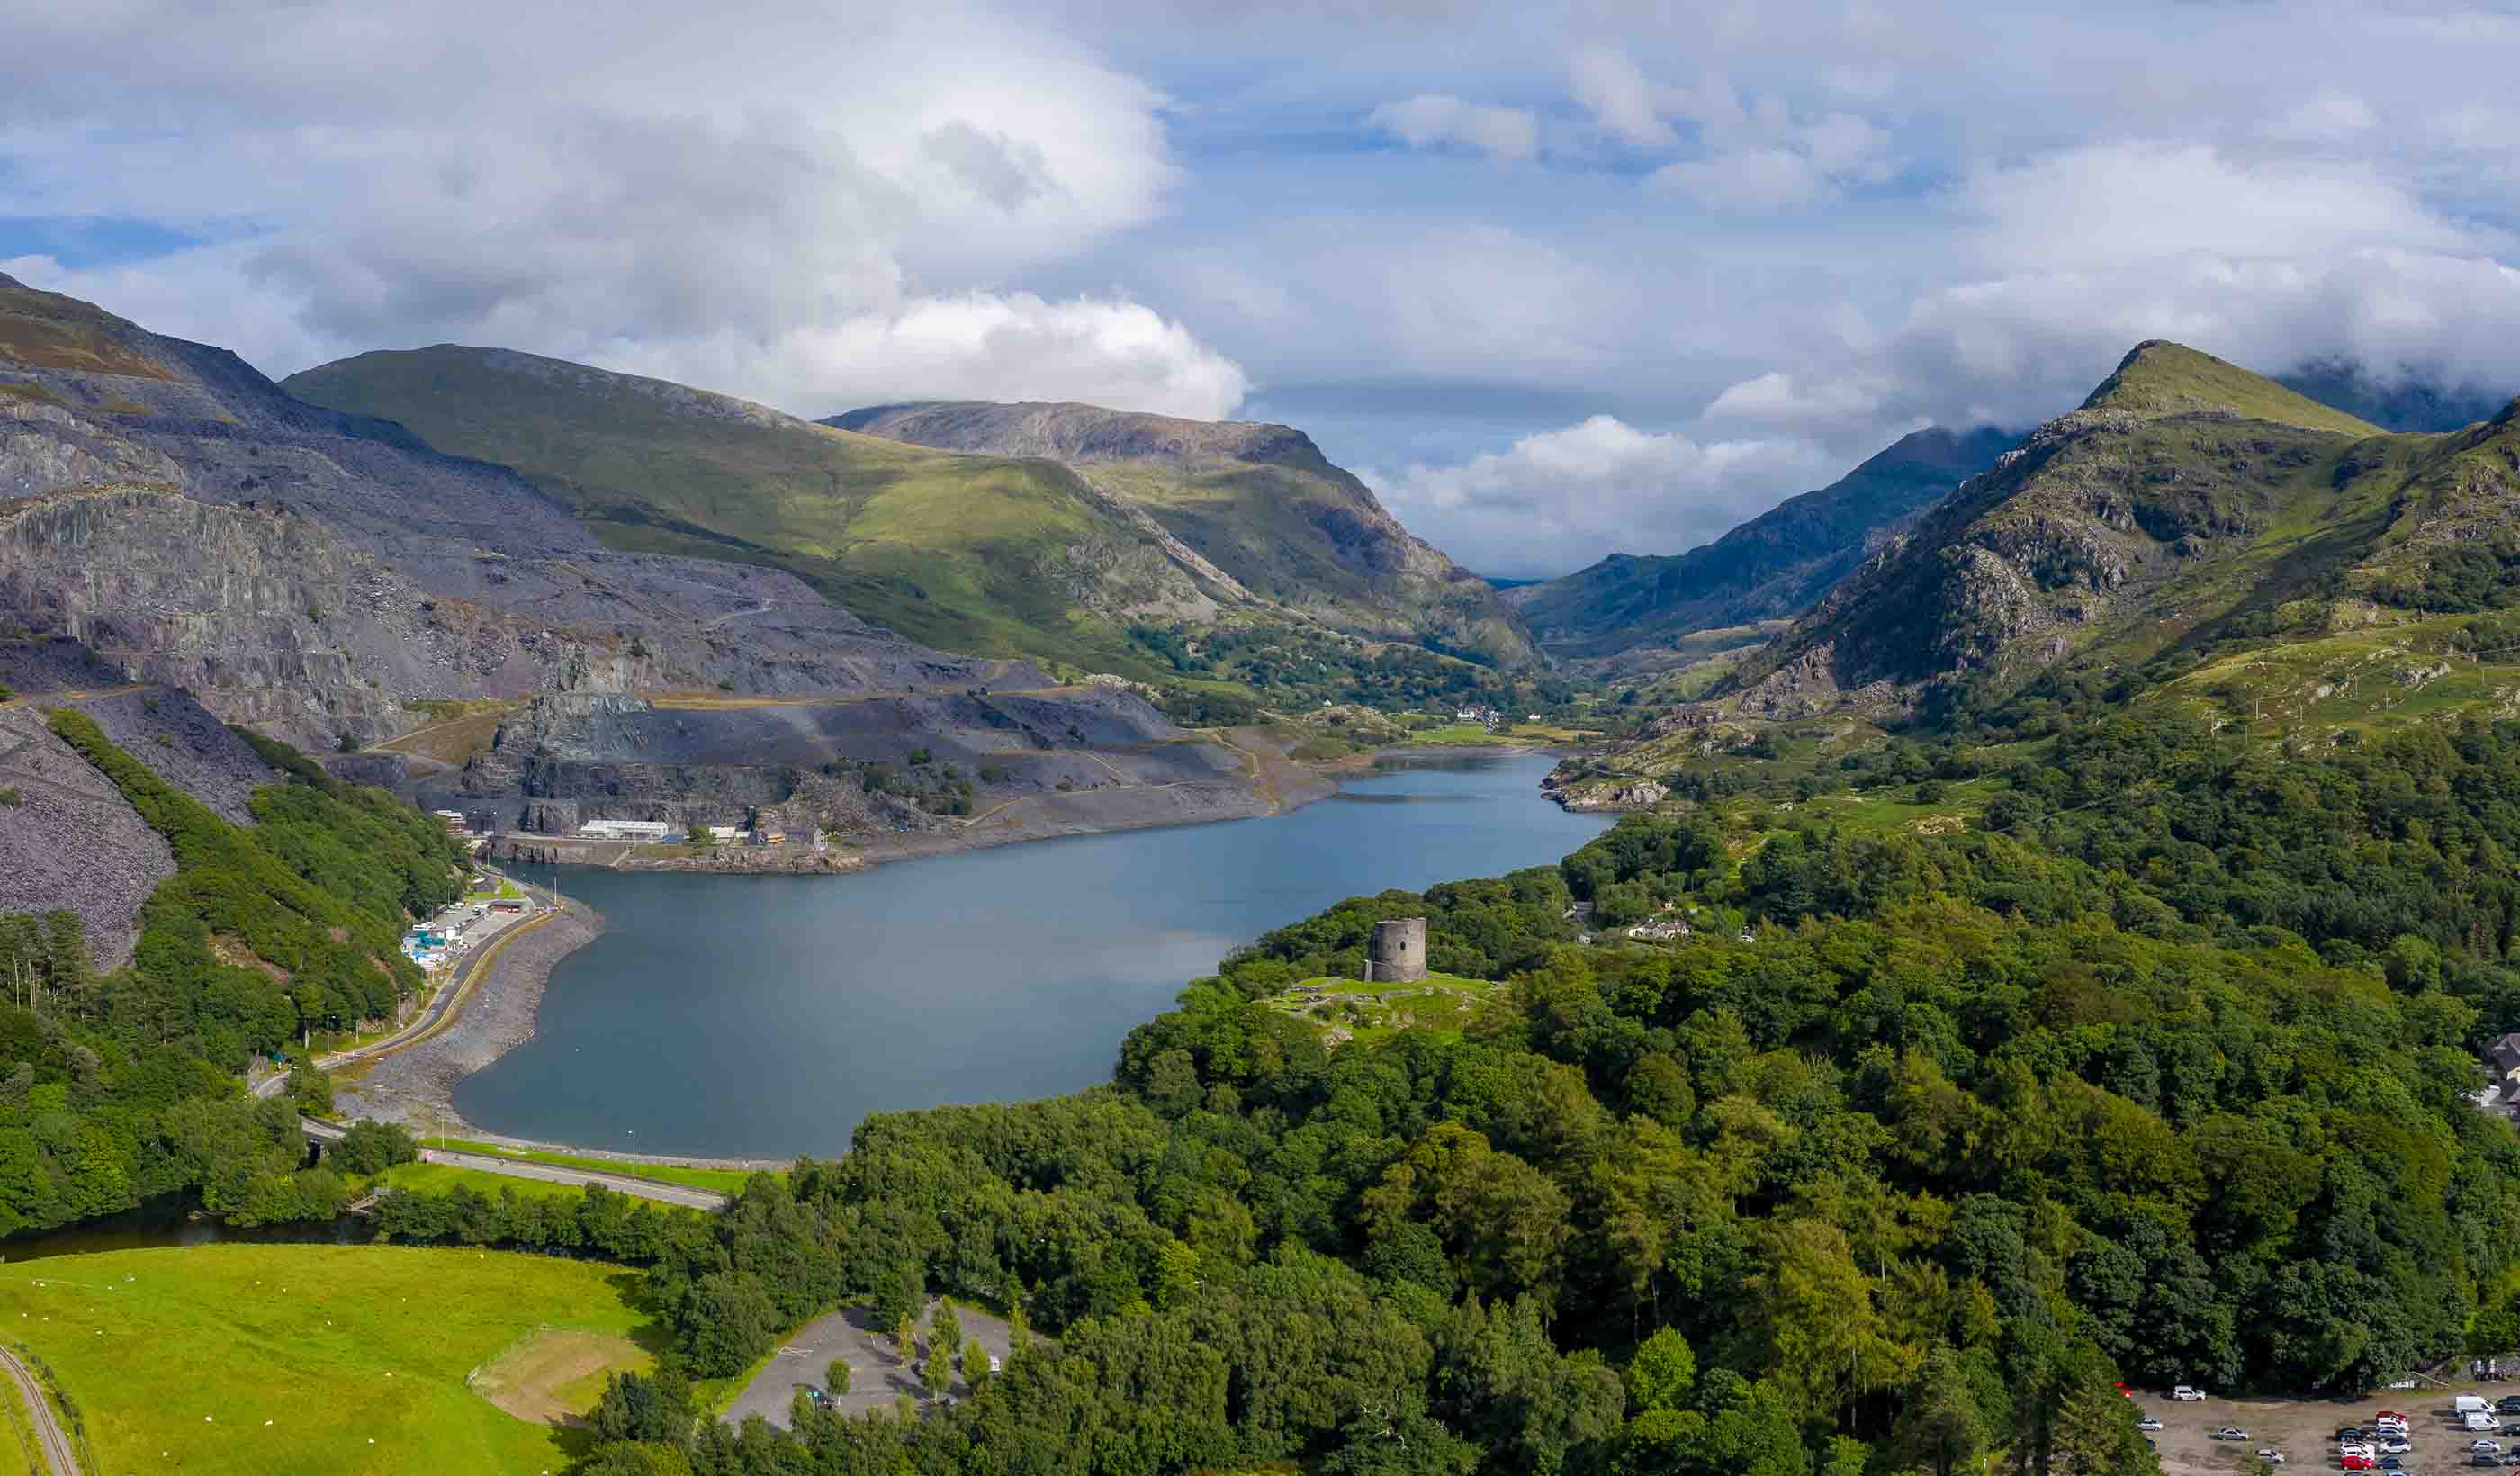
(2357, 1462)
(2392, 1463)
(2187, 1394)
(2148, 1422)
(2230, 1432)
(2270, 1455)
(2486, 1447)
(2356, 1448)
(2509, 1403)
(2349, 1432)
(2394, 1445)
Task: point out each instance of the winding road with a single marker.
(59, 1454)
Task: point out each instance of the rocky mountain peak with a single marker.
(2159, 378)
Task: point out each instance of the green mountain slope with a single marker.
(1257, 502)
(2188, 505)
(985, 554)
(1630, 614)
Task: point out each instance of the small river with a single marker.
(765, 1016)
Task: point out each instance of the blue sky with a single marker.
(1556, 280)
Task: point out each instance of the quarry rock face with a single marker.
(271, 619)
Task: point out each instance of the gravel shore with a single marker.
(415, 1086)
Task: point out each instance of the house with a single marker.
(2503, 1058)
(454, 821)
(726, 834)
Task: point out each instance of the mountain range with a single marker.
(1023, 531)
(1631, 614)
(2187, 502)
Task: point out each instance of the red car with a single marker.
(2386, 1414)
(2359, 1462)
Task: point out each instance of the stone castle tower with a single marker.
(1397, 954)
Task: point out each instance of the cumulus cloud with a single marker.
(1610, 86)
(750, 192)
(1558, 500)
(976, 346)
(1433, 118)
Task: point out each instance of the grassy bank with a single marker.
(278, 1359)
(723, 1181)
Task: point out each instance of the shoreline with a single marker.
(415, 1085)
(1273, 784)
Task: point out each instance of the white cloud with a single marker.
(729, 194)
(1561, 499)
(1610, 86)
(977, 346)
(1431, 119)
(1749, 179)
(2332, 118)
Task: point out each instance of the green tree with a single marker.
(947, 1328)
(1662, 1373)
(938, 1372)
(835, 1376)
(905, 1339)
(1940, 1427)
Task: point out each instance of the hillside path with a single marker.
(58, 1455)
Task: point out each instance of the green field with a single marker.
(18, 1449)
(440, 1179)
(321, 1360)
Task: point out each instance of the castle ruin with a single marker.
(1397, 954)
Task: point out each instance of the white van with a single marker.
(2477, 1419)
(2469, 1403)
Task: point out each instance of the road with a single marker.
(442, 1005)
(59, 1454)
(547, 1172)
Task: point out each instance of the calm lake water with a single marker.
(766, 1016)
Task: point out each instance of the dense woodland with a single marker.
(2159, 1077)
(1914, 1147)
(124, 1087)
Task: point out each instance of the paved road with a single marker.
(444, 1005)
(59, 1454)
(875, 1374)
(549, 1173)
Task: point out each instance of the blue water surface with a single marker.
(766, 1016)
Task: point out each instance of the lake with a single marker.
(764, 1017)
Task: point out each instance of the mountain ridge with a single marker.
(1627, 612)
(2186, 500)
(1258, 501)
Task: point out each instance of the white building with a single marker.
(726, 834)
(626, 830)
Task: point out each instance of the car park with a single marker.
(2230, 1432)
(2187, 1394)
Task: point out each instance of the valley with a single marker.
(2024, 835)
